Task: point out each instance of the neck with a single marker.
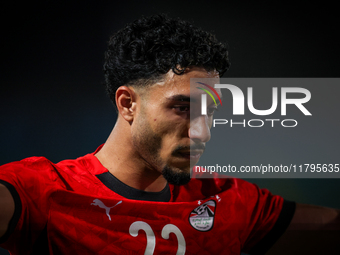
(118, 155)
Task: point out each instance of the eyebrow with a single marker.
(181, 98)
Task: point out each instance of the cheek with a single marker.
(170, 128)
(173, 135)
(144, 139)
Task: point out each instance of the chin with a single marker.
(174, 177)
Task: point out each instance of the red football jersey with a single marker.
(65, 208)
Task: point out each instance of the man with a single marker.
(134, 194)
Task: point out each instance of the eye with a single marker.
(182, 108)
(211, 111)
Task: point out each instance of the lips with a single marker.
(191, 155)
(196, 154)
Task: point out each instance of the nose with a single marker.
(200, 129)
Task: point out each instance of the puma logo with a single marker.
(99, 203)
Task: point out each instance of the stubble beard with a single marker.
(149, 144)
(175, 177)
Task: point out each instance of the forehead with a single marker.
(185, 84)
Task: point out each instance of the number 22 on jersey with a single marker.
(151, 239)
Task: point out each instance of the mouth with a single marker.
(190, 155)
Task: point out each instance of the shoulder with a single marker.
(30, 182)
(33, 167)
(42, 172)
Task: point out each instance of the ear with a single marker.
(126, 102)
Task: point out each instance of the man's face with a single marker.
(168, 134)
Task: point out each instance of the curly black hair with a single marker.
(149, 47)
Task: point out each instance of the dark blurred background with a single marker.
(53, 101)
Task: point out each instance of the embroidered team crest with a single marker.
(202, 217)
